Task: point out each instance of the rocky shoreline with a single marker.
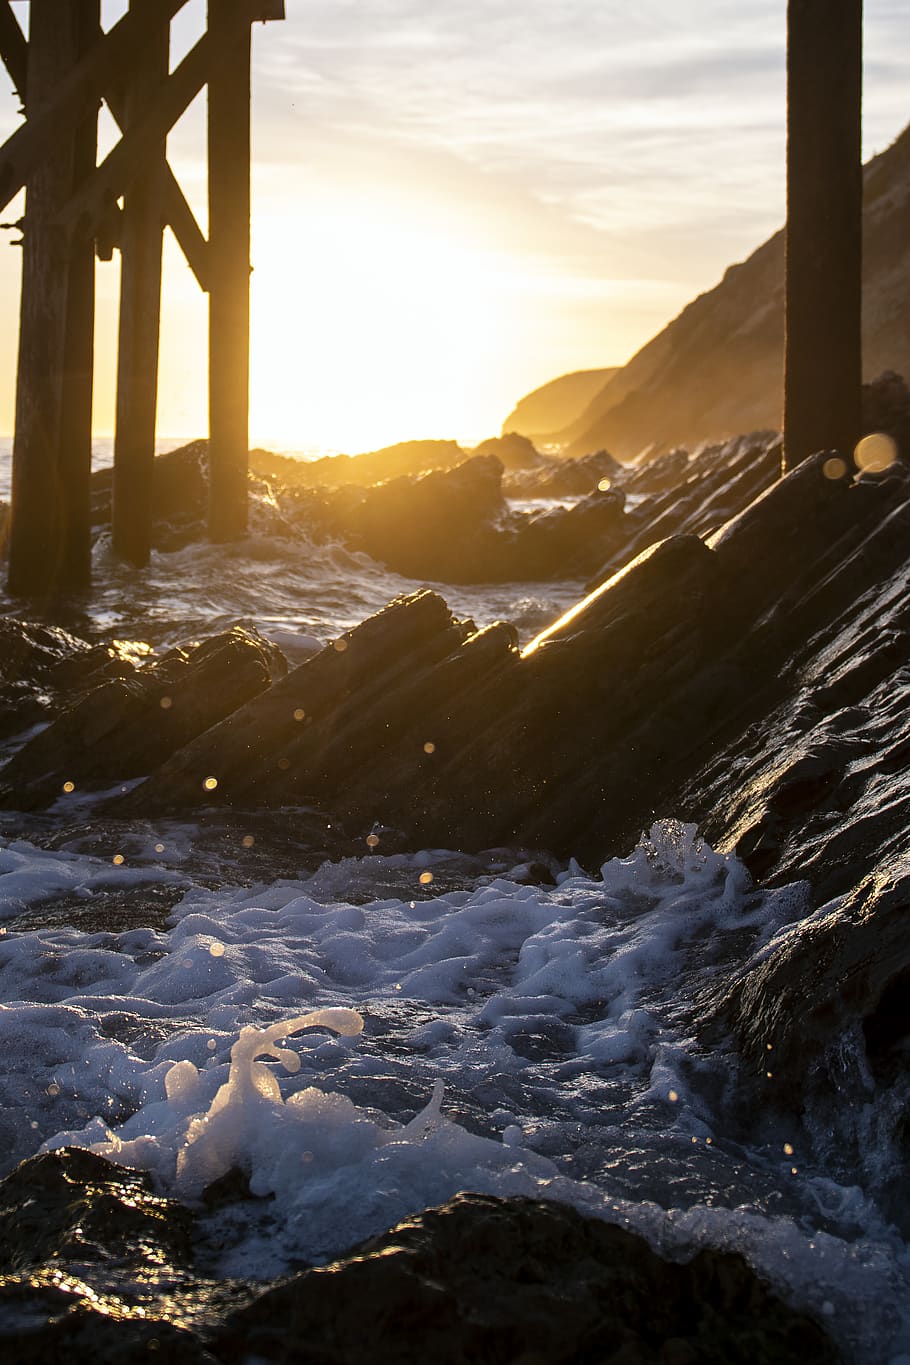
(741, 662)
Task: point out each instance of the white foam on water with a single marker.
(358, 1062)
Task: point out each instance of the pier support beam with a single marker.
(229, 268)
(823, 360)
(140, 315)
(50, 531)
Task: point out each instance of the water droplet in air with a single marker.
(165, 703)
(210, 784)
(426, 878)
(248, 841)
(372, 840)
(117, 859)
(69, 786)
(605, 485)
(788, 1149)
(672, 1097)
(299, 713)
(284, 764)
(211, 1045)
(339, 646)
(429, 747)
(159, 848)
(53, 1088)
(216, 949)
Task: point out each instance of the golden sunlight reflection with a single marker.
(569, 616)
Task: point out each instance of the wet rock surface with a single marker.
(121, 727)
(95, 1266)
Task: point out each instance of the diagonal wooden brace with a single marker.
(177, 213)
(124, 164)
(86, 83)
(13, 48)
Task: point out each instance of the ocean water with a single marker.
(290, 589)
(370, 1037)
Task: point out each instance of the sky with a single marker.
(457, 200)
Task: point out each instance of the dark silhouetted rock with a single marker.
(123, 728)
(374, 466)
(179, 487)
(513, 451)
(507, 1281)
(43, 667)
(85, 1244)
(558, 478)
(272, 746)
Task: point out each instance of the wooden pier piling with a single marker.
(49, 542)
(229, 269)
(73, 207)
(141, 242)
(823, 348)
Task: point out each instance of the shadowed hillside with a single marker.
(717, 369)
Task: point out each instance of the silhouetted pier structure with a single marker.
(77, 208)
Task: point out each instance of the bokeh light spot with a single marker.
(875, 452)
(210, 784)
(834, 467)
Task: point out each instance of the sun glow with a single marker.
(367, 331)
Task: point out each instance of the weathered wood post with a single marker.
(50, 531)
(823, 357)
(229, 268)
(141, 241)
